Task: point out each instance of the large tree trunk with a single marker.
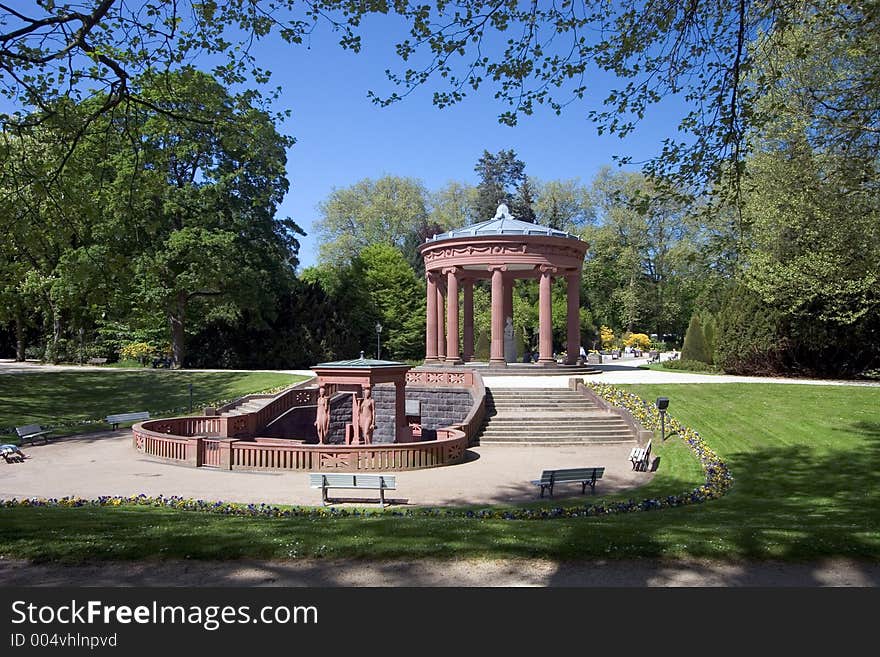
(19, 338)
(176, 322)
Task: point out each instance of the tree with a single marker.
(384, 211)
(564, 205)
(398, 297)
(501, 175)
(523, 207)
(694, 347)
(206, 241)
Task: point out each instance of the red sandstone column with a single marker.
(573, 344)
(431, 320)
(441, 323)
(468, 351)
(545, 317)
(497, 352)
(452, 354)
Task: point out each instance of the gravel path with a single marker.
(457, 573)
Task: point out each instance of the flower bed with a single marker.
(718, 482)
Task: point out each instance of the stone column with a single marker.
(509, 347)
(431, 319)
(468, 302)
(545, 317)
(573, 343)
(401, 428)
(497, 352)
(452, 353)
(441, 323)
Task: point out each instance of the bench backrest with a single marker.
(125, 417)
(28, 430)
(342, 480)
(648, 448)
(571, 474)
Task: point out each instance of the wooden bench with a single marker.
(583, 476)
(31, 432)
(126, 417)
(97, 361)
(326, 480)
(640, 456)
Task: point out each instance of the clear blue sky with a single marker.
(342, 137)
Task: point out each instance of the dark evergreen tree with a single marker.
(695, 342)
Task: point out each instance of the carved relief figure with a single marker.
(322, 417)
(367, 416)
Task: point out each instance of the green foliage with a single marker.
(749, 339)
(482, 348)
(710, 331)
(501, 176)
(139, 351)
(688, 366)
(694, 348)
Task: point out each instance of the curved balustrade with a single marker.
(227, 442)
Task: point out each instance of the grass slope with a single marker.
(65, 397)
(806, 462)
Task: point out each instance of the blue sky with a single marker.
(343, 137)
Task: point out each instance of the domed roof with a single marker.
(502, 223)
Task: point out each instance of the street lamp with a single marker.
(662, 404)
(378, 342)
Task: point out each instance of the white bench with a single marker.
(31, 432)
(326, 480)
(640, 456)
(115, 420)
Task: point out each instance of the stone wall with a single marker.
(299, 422)
(441, 407)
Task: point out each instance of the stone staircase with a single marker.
(549, 416)
(247, 405)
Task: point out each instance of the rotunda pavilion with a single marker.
(502, 249)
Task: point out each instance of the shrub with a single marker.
(606, 336)
(749, 338)
(638, 340)
(482, 346)
(695, 342)
(690, 365)
(139, 351)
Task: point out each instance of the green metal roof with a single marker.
(360, 363)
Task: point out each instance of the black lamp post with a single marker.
(378, 342)
(662, 404)
(190, 397)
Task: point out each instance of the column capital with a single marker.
(452, 270)
(494, 268)
(432, 276)
(547, 269)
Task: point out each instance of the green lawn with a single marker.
(806, 463)
(68, 397)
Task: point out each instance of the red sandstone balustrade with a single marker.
(212, 441)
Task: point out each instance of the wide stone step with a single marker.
(556, 432)
(555, 440)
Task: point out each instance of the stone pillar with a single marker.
(497, 351)
(509, 346)
(452, 353)
(573, 342)
(468, 302)
(431, 319)
(545, 317)
(441, 323)
(401, 428)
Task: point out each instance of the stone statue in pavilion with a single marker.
(322, 416)
(367, 417)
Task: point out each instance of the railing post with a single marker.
(195, 452)
(226, 453)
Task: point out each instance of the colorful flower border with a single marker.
(718, 482)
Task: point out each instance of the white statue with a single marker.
(502, 212)
(508, 328)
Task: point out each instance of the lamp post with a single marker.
(378, 342)
(662, 404)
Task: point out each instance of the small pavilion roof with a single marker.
(361, 363)
(502, 223)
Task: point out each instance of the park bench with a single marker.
(640, 456)
(31, 432)
(653, 356)
(583, 476)
(326, 480)
(97, 361)
(115, 420)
